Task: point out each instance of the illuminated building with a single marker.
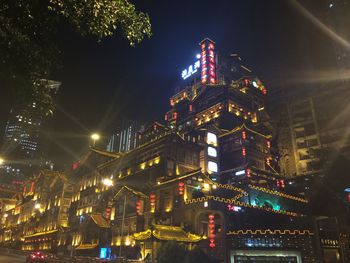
(21, 146)
(36, 220)
(314, 127)
(126, 137)
(205, 178)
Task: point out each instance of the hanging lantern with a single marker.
(268, 144)
(247, 172)
(181, 188)
(244, 135)
(152, 200)
(211, 231)
(243, 151)
(139, 207)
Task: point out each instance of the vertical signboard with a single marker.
(208, 62)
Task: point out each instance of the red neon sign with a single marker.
(208, 64)
(211, 231)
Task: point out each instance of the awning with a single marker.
(100, 221)
(163, 232)
(86, 246)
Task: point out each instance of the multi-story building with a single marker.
(126, 137)
(21, 148)
(205, 178)
(313, 128)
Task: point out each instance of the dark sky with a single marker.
(103, 82)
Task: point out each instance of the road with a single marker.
(12, 259)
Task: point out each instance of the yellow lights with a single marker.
(95, 136)
(37, 206)
(157, 160)
(261, 108)
(270, 232)
(214, 186)
(206, 186)
(6, 215)
(177, 170)
(168, 210)
(2, 161)
(127, 241)
(143, 166)
(206, 204)
(107, 182)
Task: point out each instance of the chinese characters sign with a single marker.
(192, 69)
(208, 69)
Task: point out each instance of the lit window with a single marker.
(211, 138)
(212, 152)
(212, 167)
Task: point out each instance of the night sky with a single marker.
(103, 82)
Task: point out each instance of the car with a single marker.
(36, 257)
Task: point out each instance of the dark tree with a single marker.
(28, 50)
(171, 252)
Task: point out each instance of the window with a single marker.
(211, 138)
(212, 152)
(212, 167)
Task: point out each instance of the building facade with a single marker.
(206, 178)
(21, 148)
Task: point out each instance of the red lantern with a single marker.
(211, 231)
(244, 135)
(349, 197)
(243, 152)
(139, 207)
(247, 172)
(181, 188)
(268, 143)
(282, 183)
(152, 200)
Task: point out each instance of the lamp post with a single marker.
(95, 137)
(109, 182)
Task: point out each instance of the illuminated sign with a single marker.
(211, 138)
(212, 152)
(208, 63)
(192, 69)
(212, 167)
(240, 172)
(103, 252)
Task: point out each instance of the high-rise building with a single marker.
(126, 137)
(21, 148)
(312, 127)
(223, 105)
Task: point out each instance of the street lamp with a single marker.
(109, 182)
(95, 137)
(2, 161)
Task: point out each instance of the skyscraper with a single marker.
(222, 105)
(21, 148)
(126, 137)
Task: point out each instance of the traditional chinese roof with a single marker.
(86, 246)
(100, 221)
(42, 233)
(138, 193)
(105, 153)
(163, 232)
